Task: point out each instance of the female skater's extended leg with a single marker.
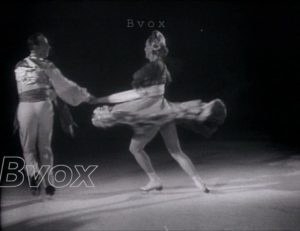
(170, 137)
(137, 145)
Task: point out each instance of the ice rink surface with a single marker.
(254, 186)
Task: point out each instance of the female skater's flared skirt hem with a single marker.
(143, 114)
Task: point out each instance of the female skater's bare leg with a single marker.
(137, 145)
(170, 137)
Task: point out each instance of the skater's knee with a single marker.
(135, 149)
(45, 148)
(29, 149)
(175, 151)
(176, 154)
(46, 158)
(30, 157)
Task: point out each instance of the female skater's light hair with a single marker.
(157, 43)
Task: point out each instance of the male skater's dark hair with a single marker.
(33, 40)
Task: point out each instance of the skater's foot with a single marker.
(50, 190)
(152, 185)
(35, 186)
(200, 185)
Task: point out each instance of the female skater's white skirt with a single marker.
(155, 110)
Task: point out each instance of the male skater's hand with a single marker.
(92, 100)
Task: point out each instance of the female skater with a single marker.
(147, 111)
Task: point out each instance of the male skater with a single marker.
(39, 81)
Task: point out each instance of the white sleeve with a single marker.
(137, 93)
(123, 96)
(66, 89)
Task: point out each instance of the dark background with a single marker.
(243, 53)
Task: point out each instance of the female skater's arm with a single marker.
(134, 94)
(148, 75)
(102, 100)
(119, 97)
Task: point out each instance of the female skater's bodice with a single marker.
(152, 73)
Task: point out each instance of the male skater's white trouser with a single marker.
(35, 126)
